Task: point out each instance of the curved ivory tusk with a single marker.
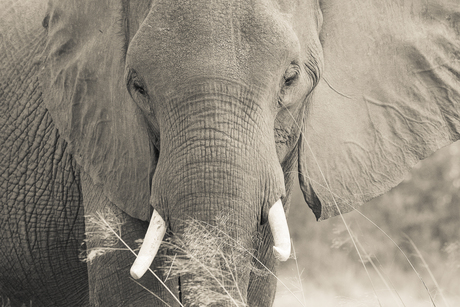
(280, 231)
(149, 248)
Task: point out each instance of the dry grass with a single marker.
(105, 231)
(207, 254)
(346, 284)
(209, 263)
(216, 261)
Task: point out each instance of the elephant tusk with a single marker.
(149, 248)
(280, 231)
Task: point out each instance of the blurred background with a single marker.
(422, 218)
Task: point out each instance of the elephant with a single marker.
(179, 111)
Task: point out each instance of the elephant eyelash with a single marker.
(313, 71)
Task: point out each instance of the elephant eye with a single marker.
(138, 91)
(291, 75)
(138, 87)
(135, 84)
(45, 21)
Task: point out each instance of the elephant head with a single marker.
(186, 109)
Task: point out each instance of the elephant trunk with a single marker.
(217, 163)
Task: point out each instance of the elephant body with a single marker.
(36, 260)
(203, 113)
(42, 222)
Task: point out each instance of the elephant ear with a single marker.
(389, 97)
(84, 90)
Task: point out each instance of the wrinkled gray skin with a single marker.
(199, 109)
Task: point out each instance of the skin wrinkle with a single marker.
(28, 142)
(187, 112)
(244, 125)
(29, 233)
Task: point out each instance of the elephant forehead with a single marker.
(244, 40)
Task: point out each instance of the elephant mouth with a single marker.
(157, 230)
